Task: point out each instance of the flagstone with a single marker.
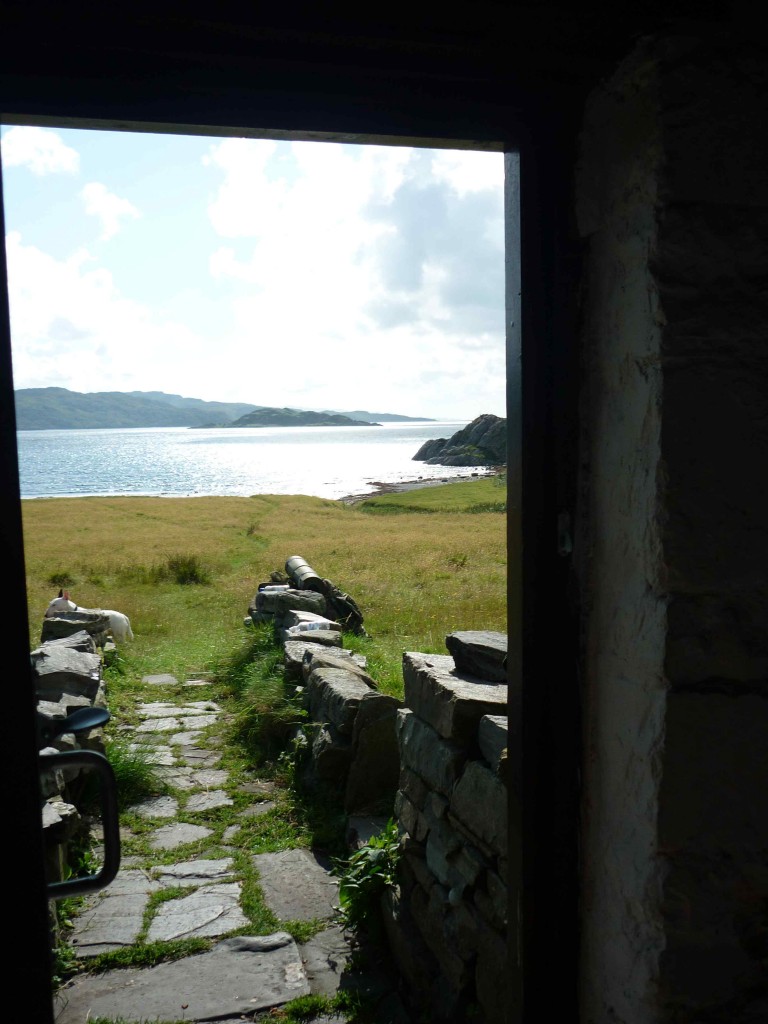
(157, 807)
(193, 871)
(212, 910)
(170, 836)
(208, 801)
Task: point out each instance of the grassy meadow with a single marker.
(419, 565)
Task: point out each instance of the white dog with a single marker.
(119, 624)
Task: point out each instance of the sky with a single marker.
(303, 274)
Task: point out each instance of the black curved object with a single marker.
(109, 821)
(79, 721)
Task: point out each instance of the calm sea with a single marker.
(176, 461)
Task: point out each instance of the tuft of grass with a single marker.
(137, 778)
(148, 954)
(61, 578)
(355, 1007)
(184, 570)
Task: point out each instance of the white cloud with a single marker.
(109, 208)
(41, 150)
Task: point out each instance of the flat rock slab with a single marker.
(208, 801)
(258, 788)
(113, 918)
(162, 679)
(198, 721)
(158, 807)
(158, 725)
(238, 977)
(162, 756)
(296, 885)
(211, 911)
(210, 777)
(183, 739)
(179, 778)
(170, 836)
(195, 872)
(480, 653)
(199, 757)
(325, 959)
(257, 810)
(230, 832)
(192, 684)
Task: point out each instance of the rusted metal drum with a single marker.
(302, 574)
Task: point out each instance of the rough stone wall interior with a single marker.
(711, 268)
(617, 552)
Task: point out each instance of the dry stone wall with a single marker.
(447, 924)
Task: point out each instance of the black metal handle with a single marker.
(109, 821)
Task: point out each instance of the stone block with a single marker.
(479, 802)
(425, 753)
(317, 656)
(429, 913)
(492, 736)
(321, 637)
(95, 623)
(59, 669)
(335, 695)
(450, 701)
(413, 786)
(375, 763)
(479, 653)
(291, 604)
(442, 842)
(408, 817)
(331, 753)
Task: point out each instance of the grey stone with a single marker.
(292, 603)
(208, 801)
(361, 828)
(427, 754)
(479, 653)
(483, 442)
(199, 757)
(230, 833)
(158, 725)
(79, 641)
(67, 624)
(113, 918)
(325, 959)
(162, 679)
(330, 754)
(202, 705)
(196, 683)
(375, 758)
(323, 657)
(195, 871)
(479, 802)
(258, 788)
(297, 885)
(492, 736)
(334, 696)
(157, 709)
(451, 702)
(198, 722)
(179, 778)
(58, 669)
(257, 810)
(322, 637)
(235, 978)
(210, 777)
(184, 739)
(159, 755)
(170, 836)
(157, 807)
(211, 911)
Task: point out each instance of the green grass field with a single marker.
(415, 576)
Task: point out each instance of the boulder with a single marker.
(483, 442)
(59, 669)
(480, 653)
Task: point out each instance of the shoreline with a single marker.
(381, 487)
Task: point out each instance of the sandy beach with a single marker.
(379, 487)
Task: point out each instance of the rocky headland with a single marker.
(483, 442)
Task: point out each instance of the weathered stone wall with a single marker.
(447, 925)
(672, 548)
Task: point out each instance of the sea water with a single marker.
(327, 462)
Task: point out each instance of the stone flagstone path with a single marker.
(182, 877)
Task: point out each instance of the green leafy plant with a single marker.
(366, 875)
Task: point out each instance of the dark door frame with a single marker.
(543, 921)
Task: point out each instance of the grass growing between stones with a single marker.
(147, 954)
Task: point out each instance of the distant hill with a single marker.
(266, 417)
(380, 417)
(60, 409)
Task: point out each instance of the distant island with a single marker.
(61, 409)
(267, 417)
